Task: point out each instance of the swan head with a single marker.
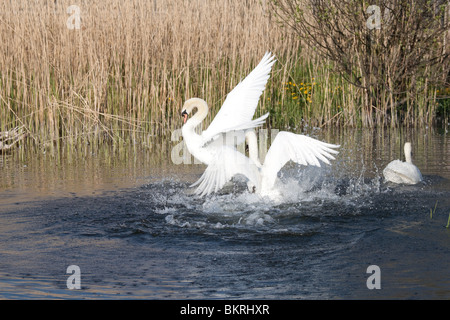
(192, 103)
(184, 114)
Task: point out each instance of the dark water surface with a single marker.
(127, 219)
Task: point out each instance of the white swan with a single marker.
(403, 172)
(286, 147)
(235, 115)
(233, 120)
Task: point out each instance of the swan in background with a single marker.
(406, 172)
(235, 115)
(286, 147)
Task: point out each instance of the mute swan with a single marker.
(235, 115)
(222, 158)
(286, 147)
(403, 172)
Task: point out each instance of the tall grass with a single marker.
(128, 69)
(125, 73)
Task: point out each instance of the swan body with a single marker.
(401, 172)
(286, 147)
(233, 118)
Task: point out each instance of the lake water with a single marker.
(127, 219)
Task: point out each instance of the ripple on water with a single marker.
(158, 240)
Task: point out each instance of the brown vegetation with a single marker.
(392, 51)
(119, 71)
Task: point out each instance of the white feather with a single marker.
(300, 149)
(286, 147)
(235, 114)
(227, 163)
(216, 146)
(240, 104)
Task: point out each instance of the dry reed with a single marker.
(130, 65)
(125, 72)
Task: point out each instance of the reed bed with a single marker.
(120, 71)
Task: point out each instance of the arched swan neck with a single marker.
(200, 115)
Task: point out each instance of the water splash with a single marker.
(305, 192)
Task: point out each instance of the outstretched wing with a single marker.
(240, 104)
(228, 163)
(301, 149)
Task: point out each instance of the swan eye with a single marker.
(184, 113)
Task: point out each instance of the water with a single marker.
(127, 218)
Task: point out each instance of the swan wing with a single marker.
(300, 149)
(240, 104)
(235, 135)
(228, 163)
(231, 138)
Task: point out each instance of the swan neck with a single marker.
(200, 115)
(408, 153)
(408, 158)
(252, 142)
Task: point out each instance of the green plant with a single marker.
(432, 211)
(448, 221)
(393, 65)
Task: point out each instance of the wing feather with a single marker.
(240, 104)
(228, 163)
(300, 149)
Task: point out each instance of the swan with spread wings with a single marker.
(218, 151)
